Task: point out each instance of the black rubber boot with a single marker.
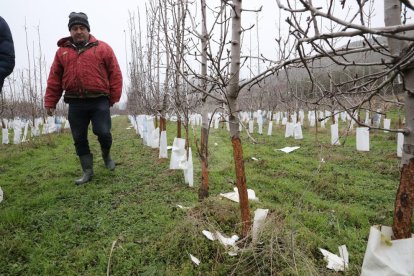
(109, 163)
(87, 167)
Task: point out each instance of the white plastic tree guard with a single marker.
(297, 132)
(5, 136)
(187, 166)
(323, 122)
(216, 122)
(312, 119)
(155, 138)
(260, 123)
(289, 131)
(269, 129)
(367, 120)
(178, 153)
(400, 143)
(387, 124)
(51, 124)
(335, 135)
(148, 130)
(163, 145)
(17, 135)
(26, 128)
(362, 139)
(251, 126)
(258, 221)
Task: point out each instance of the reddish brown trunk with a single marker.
(163, 124)
(178, 128)
(156, 121)
(241, 185)
(203, 191)
(404, 203)
(316, 125)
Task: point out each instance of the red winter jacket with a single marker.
(91, 71)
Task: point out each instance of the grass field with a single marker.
(127, 222)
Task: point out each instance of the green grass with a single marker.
(49, 226)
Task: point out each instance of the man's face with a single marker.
(79, 34)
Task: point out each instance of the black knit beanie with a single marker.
(78, 18)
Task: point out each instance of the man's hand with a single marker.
(50, 111)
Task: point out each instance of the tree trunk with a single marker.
(203, 190)
(241, 184)
(178, 127)
(404, 201)
(232, 91)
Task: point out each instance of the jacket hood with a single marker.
(66, 41)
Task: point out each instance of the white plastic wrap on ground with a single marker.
(288, 149)
(387, 257)
(234, 196)
(335, 262)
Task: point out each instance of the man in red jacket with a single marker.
(88, 71)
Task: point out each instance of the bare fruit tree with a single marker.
(371, 58)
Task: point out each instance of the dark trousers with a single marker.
(84, 111)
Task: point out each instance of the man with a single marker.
(6, 52)
(88, 71)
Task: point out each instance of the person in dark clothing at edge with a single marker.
(88, 71)
(7, 58)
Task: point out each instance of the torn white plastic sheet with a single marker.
(209, 235)
(289, 149)
(1, 195)
(387, 257)
(258, 221)
(182, 207)
(195, 260)
(335, 262)
(234, 196)
(229, 243)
